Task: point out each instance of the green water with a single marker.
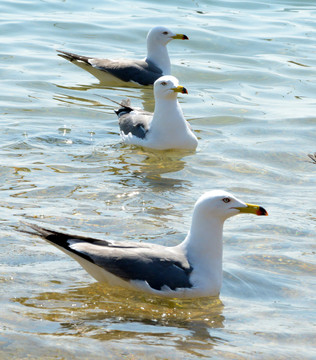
(249, 68)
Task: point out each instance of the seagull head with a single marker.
(221, 204)
(162, 35)
(167, 87)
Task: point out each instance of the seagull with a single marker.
(190, 269)
(141, 72)
(164, 129)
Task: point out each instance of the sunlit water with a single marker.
(249, 68)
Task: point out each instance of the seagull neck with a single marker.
(204, 241)
(166, 109)
(158, 55)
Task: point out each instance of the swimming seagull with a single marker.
(191, 269)
(166, 128)
(141, 72)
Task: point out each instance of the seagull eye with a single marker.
(226, 200)
(165, 32)
(163, 83)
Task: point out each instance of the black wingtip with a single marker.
(123, 110)
(73, 57)
(125, 107)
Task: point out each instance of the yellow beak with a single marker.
(180, 89)
(180, 37)
(253, 209)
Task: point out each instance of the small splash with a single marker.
(64, 130)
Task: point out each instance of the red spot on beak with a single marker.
(262, 212)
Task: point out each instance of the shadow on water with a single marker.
(108, 313)
(130, 164)
(155, 165)
(143, 94)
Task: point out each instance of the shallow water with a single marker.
(249, 68)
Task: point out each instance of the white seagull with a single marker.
(164, 129)
(141, 72)
(188, 270)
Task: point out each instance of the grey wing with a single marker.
(155, 266)
(134, 121)
(141, 72)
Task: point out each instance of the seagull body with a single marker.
(191, 269)
(166, 128)
(122, 71)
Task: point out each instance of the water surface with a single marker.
(249, 67)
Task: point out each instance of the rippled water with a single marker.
(250, 70)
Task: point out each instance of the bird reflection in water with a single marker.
(97, 311)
